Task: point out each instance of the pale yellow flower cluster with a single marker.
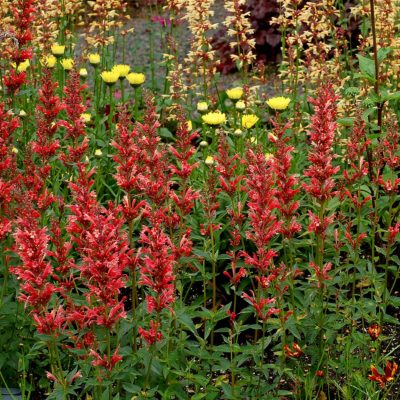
(48, 15)
(239, 29)
(311, 39)
(387, 23)
(175, 7)
(200, 59)
(106, 16)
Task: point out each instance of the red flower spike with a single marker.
(152, 335)
(260, 306)
(322, 135)
(286, 183)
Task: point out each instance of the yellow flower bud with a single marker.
(57, 49)
(240, 106)
(209, 160)
(94, 58)
(86, 117)
(202, 106)
(83, 72)
(235, 93)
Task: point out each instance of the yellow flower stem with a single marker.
(121, 83)
(136, 110)
(111, 111)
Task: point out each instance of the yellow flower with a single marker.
(214, 118)
(238, 132)
(268, 156)
(86, 117)
(22, 113)
(278, 103)
(122, 69)
(98, 153)
(136, 79)
(209, 160)
(22, 67)
(235, 93)
(240, 106)
(14, 150)
(57, 49)
(67, 63)
(49, 61)
(249, 120)
(110, 77)
(83, 72)
(189, 125)
(202, 106)
(203, 143)
(253, 140)
(94, 58)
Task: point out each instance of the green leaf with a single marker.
(131, 388)
(186, 321)
(349, 121)
(367, 65)
(383, 52)
(391, 96)
(165, 133)
(175, 389)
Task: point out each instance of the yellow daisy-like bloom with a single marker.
(278, 103)
(83, 72)
(49, 61)
(14, 150)
(209, 160)
(94, 58)
(22, 67)
(110, 77)
(249, 120)
(214, 118)
(57, 49)
(202, 106)
(122, 69)
(98, 153)
(135, 78)
(86, 117)
(235, 93)
(67, 64)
